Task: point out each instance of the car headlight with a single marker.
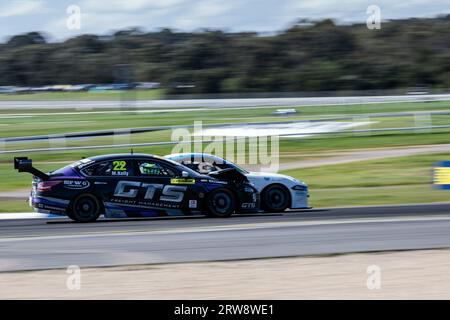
(300, 187)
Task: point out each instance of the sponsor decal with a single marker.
(130, 189)
(49, 207)
(192, 204)
(249, 205)
(119, 168)
(144, 204)
(119, 173)
(182, 181)
(441, 175)
(213, 181)
(119, 165)
(76, 184)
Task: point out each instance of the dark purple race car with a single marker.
(136, 185)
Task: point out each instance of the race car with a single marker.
(278, 192)
(136, 185)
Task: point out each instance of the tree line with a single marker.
(307, 56)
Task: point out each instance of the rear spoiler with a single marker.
(23, 164)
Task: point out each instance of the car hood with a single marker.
(268, 176)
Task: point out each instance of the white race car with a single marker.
(278, 192)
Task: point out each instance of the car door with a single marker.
(161, 185)
(113, 180)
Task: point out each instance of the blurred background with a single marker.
(310, 56)
(353, 81)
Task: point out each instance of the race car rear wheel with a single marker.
(220, 203)
(275, 198)
(85, 208)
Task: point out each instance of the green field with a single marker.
(23, 122)
(100, 95)
(344, 197)
(20, 122)
(384, 181)
(14, 206)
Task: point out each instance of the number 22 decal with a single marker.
(120, 165)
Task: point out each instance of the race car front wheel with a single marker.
(85, 208)
(275, 198)
(220, 203)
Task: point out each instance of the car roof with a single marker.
(123, 155)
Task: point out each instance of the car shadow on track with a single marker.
(237, 216)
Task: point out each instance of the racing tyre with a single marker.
(220, 203)
(85, 208)
(275, 198)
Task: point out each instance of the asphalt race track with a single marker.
(32, 244)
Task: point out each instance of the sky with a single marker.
(106, 16)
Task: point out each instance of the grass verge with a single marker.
(90, 95)
(386, 181)
(20, 205)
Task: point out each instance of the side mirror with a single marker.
(184, 174)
